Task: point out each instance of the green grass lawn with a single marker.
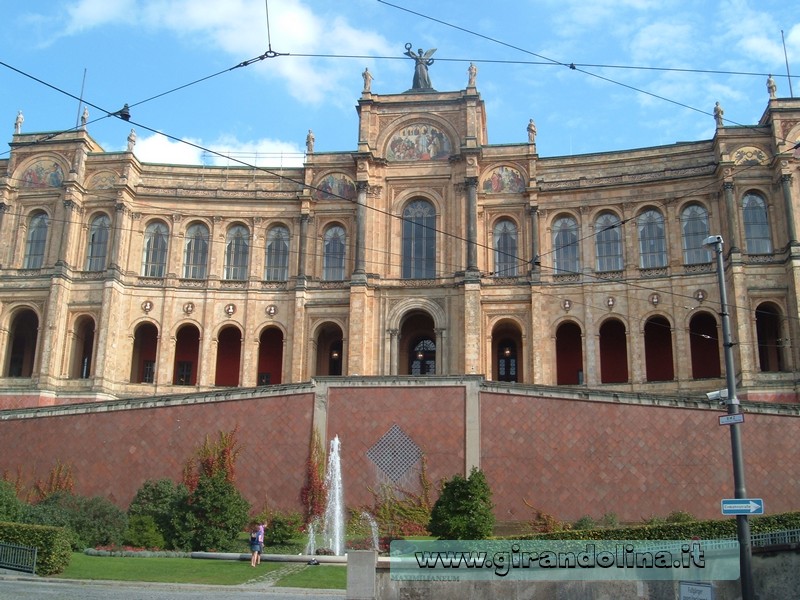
(323, 577)
(164, 570)
(200, 571)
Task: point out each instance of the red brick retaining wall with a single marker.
(565, 456)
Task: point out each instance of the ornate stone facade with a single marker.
(423, 251)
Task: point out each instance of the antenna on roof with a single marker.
(786, 58)
(80, 100)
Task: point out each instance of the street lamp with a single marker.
(742, 524)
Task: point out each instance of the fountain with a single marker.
(333, 529)
(311, 546)
(332, 526)
(373, 526)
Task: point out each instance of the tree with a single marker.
(161, 499)
(214, 515)
(464, 509)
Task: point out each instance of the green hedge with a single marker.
(52, 543)
(705, 530)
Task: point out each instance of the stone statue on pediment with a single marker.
(422, 60)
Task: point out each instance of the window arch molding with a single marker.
(277, 251)
(652, 238)
(507, 257)
(564, 231)
(196, 250)
(98, 239)
(238, 241)
(695, 226)
(608, 241)
(334, 250)
(36, 237)
(156, 238)
(756, 222)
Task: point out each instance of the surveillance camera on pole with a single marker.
(720, 396)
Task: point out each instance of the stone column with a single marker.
(119, 227)
(301, 253)
(361, 210)
(394, 342)
(730, 207)
(472, 225)
(534, 239)
(441, 351)
(786, 181)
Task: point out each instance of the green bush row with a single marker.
(52, 544)
(705, 530)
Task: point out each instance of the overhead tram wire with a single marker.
(107, 113)
(272, 54)
(572, 66)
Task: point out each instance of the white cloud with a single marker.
(239, 29)
(225, 151)
(87, 14)
(159, 149)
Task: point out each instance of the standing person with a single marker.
(255, 544)
(260, 530)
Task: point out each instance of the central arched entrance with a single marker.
(417, 355)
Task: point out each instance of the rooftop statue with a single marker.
(422, 61)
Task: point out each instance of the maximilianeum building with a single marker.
(423, 251)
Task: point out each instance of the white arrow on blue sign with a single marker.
(742, 506)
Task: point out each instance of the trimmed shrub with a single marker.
(705, 530)
(585, 522)
(281, 528)
(162, 500)
(213, 516)
(143, 532)
(464, 509)
(52, 544)
(91, 521)
(10, 505)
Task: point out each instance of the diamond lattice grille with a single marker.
(395, 453)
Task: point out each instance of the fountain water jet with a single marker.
(333, 524)
(373, 526)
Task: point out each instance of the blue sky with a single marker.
(134, 50)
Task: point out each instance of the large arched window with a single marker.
(154, 253)
(659, 365)
(333, 254)
(756, 224)
(37, 238)
(613, 352)
(195, 252)
(569, 354)
(770, 340)
(694, 225)
(565, 246)
(97, 248)
(419, 240)
(277, 254)
(505, 249)
(608, 242)
(652, 240)
(237, 252)
(704, 346)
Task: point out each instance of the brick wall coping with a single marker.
(320, 385)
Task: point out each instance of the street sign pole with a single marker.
(742, 524)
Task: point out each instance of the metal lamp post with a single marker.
(742, 524)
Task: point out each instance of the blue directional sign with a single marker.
(743, 506)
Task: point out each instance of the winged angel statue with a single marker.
(422, 60)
